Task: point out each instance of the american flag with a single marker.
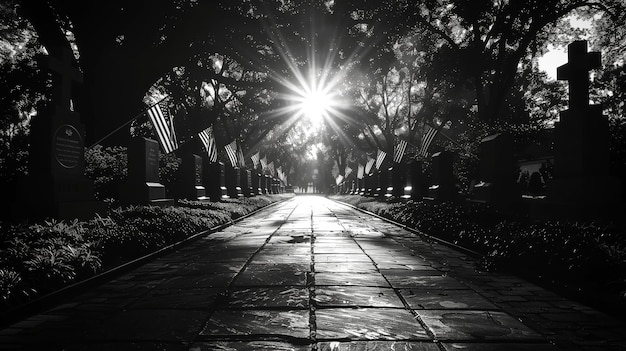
(398, 151)
(360, 171)
(427, 138)
(369, 164)
(263, 163)
(208, 140)
(348, 171)
(240, 158)
(270, 166)
(164, 126)
(380, 158)
(255, 159)
(231, 150)
(339, 179)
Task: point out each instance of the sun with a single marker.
(315, 104)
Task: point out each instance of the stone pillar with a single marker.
(244, 183)
(497, 171)
(416, 180)
(232, 181)
(142, 184)
(56, 186)
(398, 180)
(384, 182)
(443, 187)
(211, 177)
(189, 178)
(581, 159)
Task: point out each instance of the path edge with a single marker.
(46, 301)
(417, 232)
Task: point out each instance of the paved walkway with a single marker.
(311, 274)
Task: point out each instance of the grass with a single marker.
(585, 260)
(36, 259)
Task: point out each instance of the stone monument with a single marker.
(231, 175)
(56, 186)
(443, 187)
(142, 185)
(244, 181)
(582, 182)
(497, 178)
(416, 180)
(211, 177)
(189, 181)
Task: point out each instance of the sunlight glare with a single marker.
(315, 105)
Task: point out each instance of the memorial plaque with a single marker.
(68, 146)
(56, 185)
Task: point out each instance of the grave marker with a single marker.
(443, 187)
(56, 186)
(581, 160)
(211, 177)
(189, 178)
(142, 185)
(497, 182)
(416, 179)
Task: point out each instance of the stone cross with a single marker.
(576, 71)
(66, 76)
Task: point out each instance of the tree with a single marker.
(490, 38)
(125, 48)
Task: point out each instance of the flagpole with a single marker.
(127, 123)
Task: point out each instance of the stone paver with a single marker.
(312, 274)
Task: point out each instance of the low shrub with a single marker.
(572, 253)
(40, 258)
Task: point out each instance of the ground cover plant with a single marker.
(584, 259)
(36, 259)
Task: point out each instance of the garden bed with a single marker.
(37, 259)
(582, 260)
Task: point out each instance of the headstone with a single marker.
(259, 183)
(142, 183)
(581, 160)
(369, 184)
(189, 178)
(244, 182)
(56, 186)
(443, 187)
(231, 175)
(497, 181)
(251, 186)
(266, 184)
(416, 180)
(211, 177)
(398, 180)
(361, 185)
(384, 182)
(239, 182)
(223, 181)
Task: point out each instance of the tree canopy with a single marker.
(393, 66)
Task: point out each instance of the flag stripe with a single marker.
(380, 158)
(208, 140)
(240, 157)
(398, 151)
(232, 154)
(427, 138)
(255, 160)
(360, 171)
(163, 128)
(369, 164)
